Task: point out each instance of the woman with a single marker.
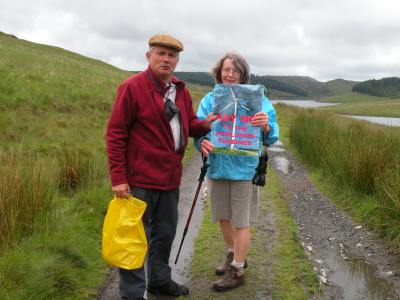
(234, 199)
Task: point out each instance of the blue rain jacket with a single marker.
(235, 167)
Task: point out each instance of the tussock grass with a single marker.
(359, 161)
(64, 262)
(79, 167)
(28, 185)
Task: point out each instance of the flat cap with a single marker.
(165, 40)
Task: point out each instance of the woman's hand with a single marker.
(208, 120)
(206, 147)
(260, 119)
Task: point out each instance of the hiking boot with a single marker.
(134, 298)
(233, 277)
(171, 288)
(229, 259)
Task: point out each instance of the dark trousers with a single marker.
(159, 220)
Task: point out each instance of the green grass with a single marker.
(54, 188)
(50, 97)
(383, 108)
(361, 104)
(62, 262)
(277, 264)
(351, 97)
(28, 186)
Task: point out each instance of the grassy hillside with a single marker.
(340, 86)
(54, 106)
(49, 95)
(54, 187)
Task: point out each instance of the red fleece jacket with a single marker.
(140, 145)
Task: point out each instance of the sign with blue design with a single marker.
(235, 105)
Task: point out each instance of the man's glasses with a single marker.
(170, 109)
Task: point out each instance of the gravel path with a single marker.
(351, 262)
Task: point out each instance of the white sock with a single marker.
(239, 265)
(230, 250)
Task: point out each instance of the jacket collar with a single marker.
(159, 85)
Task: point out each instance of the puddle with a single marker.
(303, 103)
(276, 149)
(180, 271)
(282, 164)
(357, 278)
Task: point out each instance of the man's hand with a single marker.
(121, 190)
(260, 119)
(209, 119)
(206, 147)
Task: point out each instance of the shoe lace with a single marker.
(229, 259)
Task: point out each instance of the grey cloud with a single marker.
(353, 39)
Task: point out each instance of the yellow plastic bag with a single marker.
(124, 239)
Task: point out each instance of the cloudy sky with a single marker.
(350, 39)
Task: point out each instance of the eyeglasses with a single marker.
(170, 109)
(233, 71)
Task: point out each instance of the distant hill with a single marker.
(385, 87)
(340, 86)
(314, 88)
(283, 87)
(201, 78)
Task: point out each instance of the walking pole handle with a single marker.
(204, 168)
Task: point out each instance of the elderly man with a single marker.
(147, 133)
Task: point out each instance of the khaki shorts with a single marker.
(234, 200)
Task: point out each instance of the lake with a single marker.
(313, 104)
(303, 103)
(378, 120)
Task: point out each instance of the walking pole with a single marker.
(201, 179)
